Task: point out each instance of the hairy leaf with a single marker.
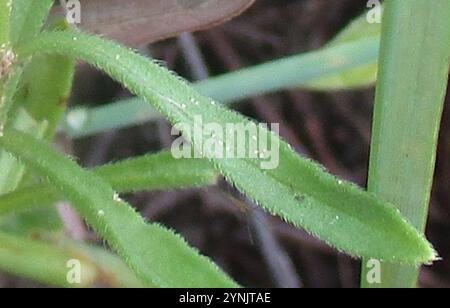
(297, 190)
(290, 72)
(156, 254)
(151, 172)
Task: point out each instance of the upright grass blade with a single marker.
(151, 172)
(304, 70)
(298, 190)
(414, 66)
(146, 248)
(27, 18)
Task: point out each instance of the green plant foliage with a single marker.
(48, 263)
(150, 172)
(27, 18)
(358, 77)
(298, 190)
(145, 247)
(4, 22)
(39, 261)
(292, 72)
(414, 67)
(386, 223)
(12, 169)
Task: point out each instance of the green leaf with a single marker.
(157, 172)
(4, 23)
(298, 190)
(113, 270)
(36, 223)
(9, 88)
(27, 18)
(46, 85)
(156, 254)
(12, 170)
(290, 72)
(48, 263)
(357, 77)
(45, 89)
(414, 67)
(39, 261)
(151, 172)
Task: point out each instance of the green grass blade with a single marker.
(150, 172)
(292, 72)
(298, 190)
(414, 66)
(157, 255)
(47, 263)
(27, 18)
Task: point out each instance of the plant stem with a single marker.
(413, 75)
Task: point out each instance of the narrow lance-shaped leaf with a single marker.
(151, 172)
(156, 254)
(291, 72)
(297, 190)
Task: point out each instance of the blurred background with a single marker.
(333, 128)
